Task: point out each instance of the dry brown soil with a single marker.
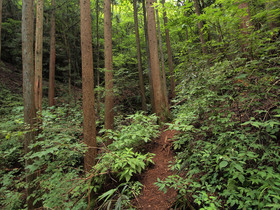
(151, 198)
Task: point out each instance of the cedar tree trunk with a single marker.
(88, 86)
(109, 94)
(160, 105)
(139, 60)
(39, 55)
(52, 57)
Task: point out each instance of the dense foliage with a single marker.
(226, 109)
(227, 115)
(59, 161)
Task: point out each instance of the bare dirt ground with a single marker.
(151, 198)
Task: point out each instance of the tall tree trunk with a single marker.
(88, 86)
(52, 57)
(139, 60)
(163, 74)
(28, 90)
(148, 55)
(245, 19)
(39, 56)
(68, 52)
(160, 105)
(1, 3)
(97, 56)
(169, 53)
(109, 94)
(244, 25)
(200, 26)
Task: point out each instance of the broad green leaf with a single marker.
(223, 164)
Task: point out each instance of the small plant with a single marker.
(120, 197)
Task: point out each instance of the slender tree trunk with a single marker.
(244, 25)
(200, 26)
(109, 94)
(169, 53)
(163, 74)
(148, 55)
(39, 56)
(1, 3)
(139, 60)
(69, 80)
(28, 90)
(160, 105)
(52, 58)
(68, 52)
(88, 86)
(97, 56)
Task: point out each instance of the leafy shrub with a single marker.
(140, 130)
(123, 158)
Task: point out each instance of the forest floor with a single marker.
(151, 197)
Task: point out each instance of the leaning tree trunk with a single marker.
(109, 94)
(52, 57)
(160, 105)
(139, 60)
(89, 129)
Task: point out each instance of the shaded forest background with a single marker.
(225, 108)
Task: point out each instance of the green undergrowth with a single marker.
(57, 159)
(228, 148)
(124, 158)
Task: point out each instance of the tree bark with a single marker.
(68, 52)
(245, 19)
(28, 90)
(200, 26)
(169, 53)
(39, 56)
(139, 60)
(160, 105)
(88, 86)
(1, 3)
(109, 94)
(52, 57)
(97, 56)
(163, 74)
(148, 55)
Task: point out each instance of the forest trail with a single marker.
(151, 198)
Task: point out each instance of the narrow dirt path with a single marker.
(151, 197)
